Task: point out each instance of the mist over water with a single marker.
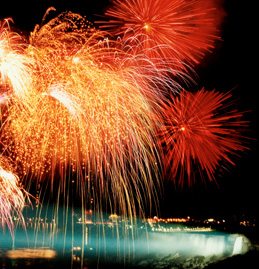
(92, 244)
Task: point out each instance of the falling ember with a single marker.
(12, 197)
(86, 118)
(181, 31)
(200, 131)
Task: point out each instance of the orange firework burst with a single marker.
(12, 196)
(87, 120)
(15, 67)
(200, 130)
(180, 31)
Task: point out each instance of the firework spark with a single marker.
(12, 197)
(180, 31)
(86, 117)
(200, 129)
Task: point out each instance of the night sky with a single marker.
(228, 67)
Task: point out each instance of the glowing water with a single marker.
(112, 242)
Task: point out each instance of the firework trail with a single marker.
(200, 130)
(12, 197)
(179, 31)
(88, 119)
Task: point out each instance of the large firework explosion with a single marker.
(84, 116)
(178, 31)
(201, 131)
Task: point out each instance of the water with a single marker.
(109, 244)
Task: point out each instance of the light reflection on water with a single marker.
(88, 248)
(110, 243)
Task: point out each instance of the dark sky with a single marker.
(228, 67)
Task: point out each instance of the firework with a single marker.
(88, 120)
(179, 31)
(12, 197)
(200, 131)
(15, 67)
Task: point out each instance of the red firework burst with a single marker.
(200, 131)
(179, 30)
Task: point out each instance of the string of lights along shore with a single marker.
(102, 107)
